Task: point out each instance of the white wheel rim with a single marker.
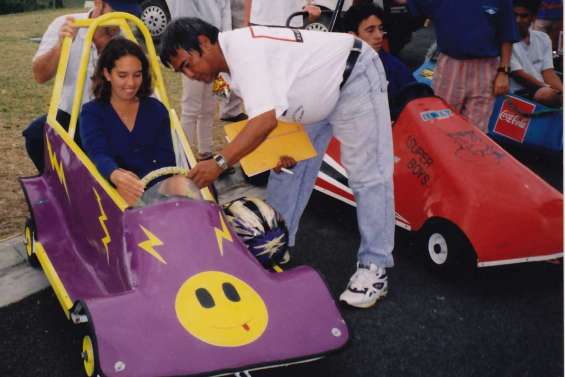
(316, 26)
(437, 248)
(155, 19)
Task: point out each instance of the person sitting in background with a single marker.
(366, 21)
(531, 65)
(124, 131)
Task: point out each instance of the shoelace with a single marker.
(363, 277)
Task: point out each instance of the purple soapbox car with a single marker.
(167, 289)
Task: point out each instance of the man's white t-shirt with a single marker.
(276, 12)
(50, 40)
(295, 72)
(215, 12)
(533, 58)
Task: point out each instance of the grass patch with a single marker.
(22, 100)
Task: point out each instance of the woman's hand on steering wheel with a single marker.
(128, 184)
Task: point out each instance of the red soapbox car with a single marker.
(470, 201)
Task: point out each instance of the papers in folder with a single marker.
(287, 139)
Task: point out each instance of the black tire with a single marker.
(29, 243)
(447, 249)
(156, 16)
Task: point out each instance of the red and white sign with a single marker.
(511, 121)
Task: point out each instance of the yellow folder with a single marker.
(287, 139)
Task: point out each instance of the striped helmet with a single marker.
(260, 227)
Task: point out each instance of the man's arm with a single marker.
(501, 81)
(256, 131)
(551, 78)
(526, 80)
(44, 66)
(247, 12)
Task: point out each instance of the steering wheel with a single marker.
(166, 170)
(316, 26)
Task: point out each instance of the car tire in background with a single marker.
(156, 16)
(447, 249)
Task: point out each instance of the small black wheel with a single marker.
(29, 243)
(447, 248)
(156, 16)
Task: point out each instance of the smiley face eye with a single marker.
(204, 298)
(231, 292)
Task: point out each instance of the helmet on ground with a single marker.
(260, 227)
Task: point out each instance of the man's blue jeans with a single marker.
(361, 122)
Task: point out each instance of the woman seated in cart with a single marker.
(124, 130)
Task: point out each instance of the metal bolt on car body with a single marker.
(336, 332)
(79, 318)
(119, 366)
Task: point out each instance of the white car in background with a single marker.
(156, 14)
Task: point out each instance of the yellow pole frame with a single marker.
(112, 19)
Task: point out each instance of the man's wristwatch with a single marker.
(220, 161)
(503, 69)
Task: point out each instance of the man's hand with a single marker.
(501, 84)
(68, 30)
(128, 184)
(286, 162)
(204, 173)
(314, 12)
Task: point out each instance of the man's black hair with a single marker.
(183, 33)
(360, 12)
(531, 5)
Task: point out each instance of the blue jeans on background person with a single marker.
(361, 122)
(33, 135)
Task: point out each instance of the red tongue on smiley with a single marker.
(246, 326)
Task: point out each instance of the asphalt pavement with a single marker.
(500, 321)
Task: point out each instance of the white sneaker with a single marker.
(366, 286)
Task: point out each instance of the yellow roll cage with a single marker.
(120, 19)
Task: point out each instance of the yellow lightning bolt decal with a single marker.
(224, 233)
(102, 219)
(57, 167)
(149, 244)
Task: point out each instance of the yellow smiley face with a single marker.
(221, 310)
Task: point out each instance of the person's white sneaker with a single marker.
(366, 286)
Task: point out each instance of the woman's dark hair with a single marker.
(360, 12)
(115, 49)
(183, 33)
(531, 5)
